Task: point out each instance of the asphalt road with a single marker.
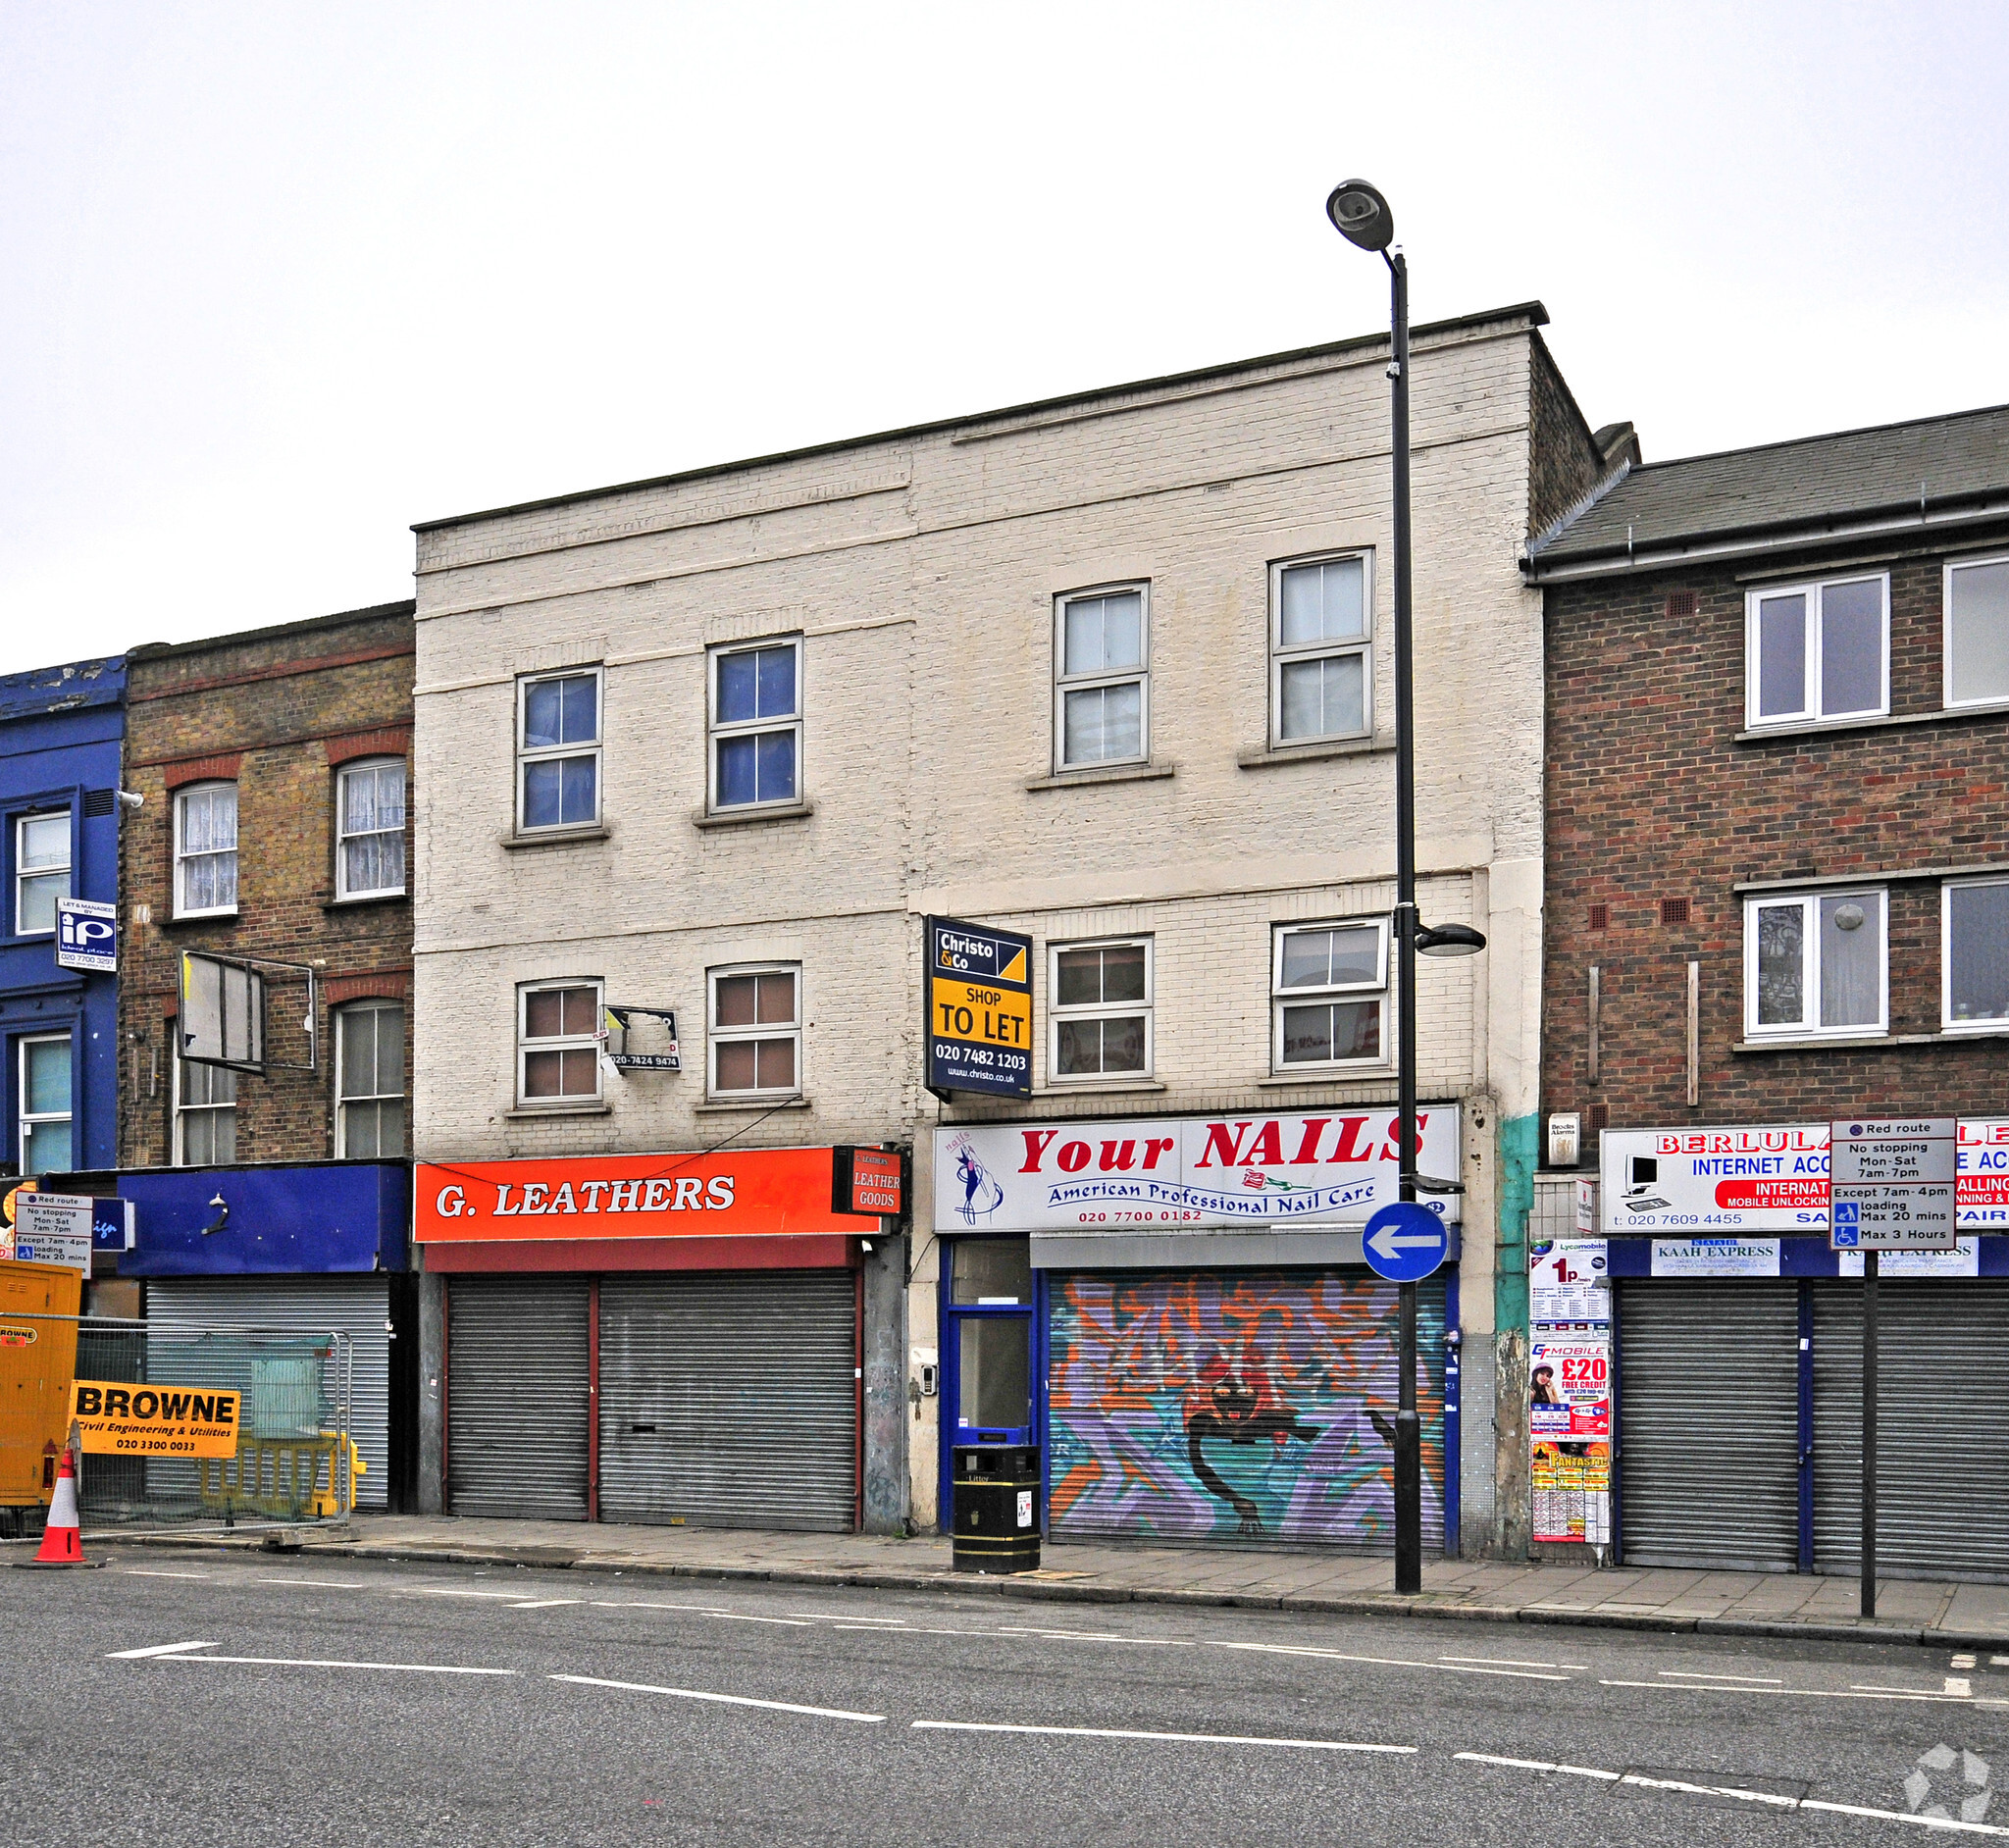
(311, 1701)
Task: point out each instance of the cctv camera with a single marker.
(132, 798)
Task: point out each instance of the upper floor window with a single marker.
(1818, 651)
(757, 1030)
(558, 751)
(45, 1108)
(1974, 954)
(369, 846)
(1100, 1014)
(756, 724)
(369, 1080)
(559, 1042)
(206, 850)
(1815, 964)
(205, 1115)
(1318, 660)
(41, 871)
(1329, 994)
(1102, 683)
(1978, 631)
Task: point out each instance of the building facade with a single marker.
(274, 769)
(1778, 791)
(1109, 675)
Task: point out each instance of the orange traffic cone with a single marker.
(62, 1543)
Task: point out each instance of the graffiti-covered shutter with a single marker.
(1236, 1406)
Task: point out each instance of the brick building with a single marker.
(275, 834)
(1777, 840)
(1108, 671)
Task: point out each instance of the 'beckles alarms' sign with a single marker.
(753, 1192)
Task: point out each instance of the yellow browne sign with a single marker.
(117, 1417)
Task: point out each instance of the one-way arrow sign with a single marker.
(1404, 1242)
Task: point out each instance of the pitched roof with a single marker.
(1787, 492)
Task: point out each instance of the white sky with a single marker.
(277, 280)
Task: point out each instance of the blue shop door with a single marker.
(988, 1361)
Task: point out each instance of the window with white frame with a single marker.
(1818, 651)
(205, 1115)
(369, 1080)
(206, 850)
(1977, 625)
(757, 1030)
(45, 1106)
(1974, 954)
(1814, 963)
(369, 828)
(1102, 684)
(1099, 1018)
(757, 725)
(1329, 994)
(559, 1042)
(1320, 668)
(41, 870)
(558, 751)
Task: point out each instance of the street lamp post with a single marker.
(1362, 216)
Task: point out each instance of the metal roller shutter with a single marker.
(730, 1400)
(356, 1306)
(516, 1396)
(1942, 1427)
(1709, 1418)
(1238, 1407)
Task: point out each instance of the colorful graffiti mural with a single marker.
(1236, 1406)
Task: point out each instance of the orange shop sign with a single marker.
(756, 1193)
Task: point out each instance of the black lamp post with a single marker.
(1360, 215)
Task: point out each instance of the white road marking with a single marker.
(1181, 1739)
(1092, 1636)
(158, 1649)
(1962, 1662)
(701, 1610)
(544, 1603)
(727, 1700)
(1804, 1693)
(839, 1616)
(1391, 1662)
(1696, 1675)
(1772, 1799)
(1958, 1684)
(314, 1662)
(455, 1591)
(1507, 1662)
(326, 1584)
(140, 1571)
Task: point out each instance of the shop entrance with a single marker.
(988, 1370)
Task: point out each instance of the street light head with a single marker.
(1450, 940)
(1360, 215)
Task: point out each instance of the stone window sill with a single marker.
(536, 1112)
(751, 817)
(1121, 773)
(1878, 721)
(1311, 753)
(720, 1106)
(1328, 1075)
(1100, 1088)
(1871, 1040)
(225, 918)
(556, 837)
(372, 899)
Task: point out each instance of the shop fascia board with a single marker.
(1444, 856)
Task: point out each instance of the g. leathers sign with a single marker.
(750, 1191)
(1336, 1166)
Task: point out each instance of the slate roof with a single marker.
(1787, 490)
(42, 689)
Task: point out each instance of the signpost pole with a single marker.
(1870, 1432)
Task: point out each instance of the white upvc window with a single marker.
(206, 850)
(558, 1040)
(1099, 1014)
(1974, 954)
(1329, 994)
(1321, 660)
(369, 829)
(756, 1018)
(756, 724)
(47, 1109)
(558, 749)
(1977, 632)
(369, 1080)
(41, 871)
(205, 1115)
(1102, 678)
(1816, 964)
(1818, 650)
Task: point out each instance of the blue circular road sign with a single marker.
(1404, 1242)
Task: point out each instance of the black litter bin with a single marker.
(995, 1508)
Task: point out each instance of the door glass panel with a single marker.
(997, 1372)
(992, 1270)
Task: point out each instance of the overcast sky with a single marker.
(277, 280)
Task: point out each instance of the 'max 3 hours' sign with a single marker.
(976, 989)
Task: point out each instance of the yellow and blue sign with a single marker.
(976, 989)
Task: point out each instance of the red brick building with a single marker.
(1778, 893)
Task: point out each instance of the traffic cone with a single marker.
(62, 1543)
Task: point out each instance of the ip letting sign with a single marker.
(87, 936)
